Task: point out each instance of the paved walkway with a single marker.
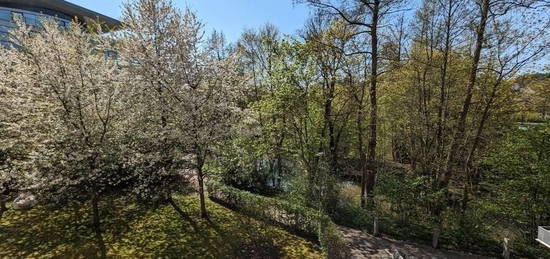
(365, 245)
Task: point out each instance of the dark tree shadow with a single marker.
(183, 215)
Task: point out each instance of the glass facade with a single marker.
(9, 15)
(5, 25)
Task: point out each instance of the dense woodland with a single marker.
(430, 122)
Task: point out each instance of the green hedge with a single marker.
(283, 213)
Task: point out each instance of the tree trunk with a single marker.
(506, 248)
(329, 122)
(371, 156)
(362, 156)
(96, 224)
(476, 142)
(279, 170)
(375, 227)
(441, 112)
(200, 176)
(95, 214)
(435, 236)
(204, 215)
(2, 208)
(465, 191)
(461, 125)
(280, 144)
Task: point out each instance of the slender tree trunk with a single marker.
(279, 169)
(461, 125)
(476, 141)
(443, 179)
(435, 236)
(200, 176)
(204, 214)
(96, 224)
(441, 113)
(532, 211)
(506, 248)
(329, 121)
(362, 155)
(466, 189)
(95, 214)
(271, 163)
(371, 156)
(273, 180)
(2, 208)
(375, 231)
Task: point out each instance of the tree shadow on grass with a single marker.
(260, 240)
(131, 230)
(183, 214)
(45, 231)
(253, 245)
(223, 235)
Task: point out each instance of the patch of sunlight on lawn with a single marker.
(132, 231)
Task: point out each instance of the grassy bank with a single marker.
(134, 231)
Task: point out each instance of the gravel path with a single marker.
(365, 245)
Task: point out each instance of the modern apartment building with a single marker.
(62, 11)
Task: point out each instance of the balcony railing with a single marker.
(544, 236)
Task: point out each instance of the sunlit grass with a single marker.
(132, 231)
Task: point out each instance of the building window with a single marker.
(63, 24)
(32, 20)
(5, 16)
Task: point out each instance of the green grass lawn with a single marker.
(132, 231)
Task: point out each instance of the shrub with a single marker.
(283, 213)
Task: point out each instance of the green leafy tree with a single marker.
(519, 180)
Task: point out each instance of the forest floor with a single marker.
(365, 245)
(134, 231)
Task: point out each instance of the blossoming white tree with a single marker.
(188, 93)
(65, 101)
